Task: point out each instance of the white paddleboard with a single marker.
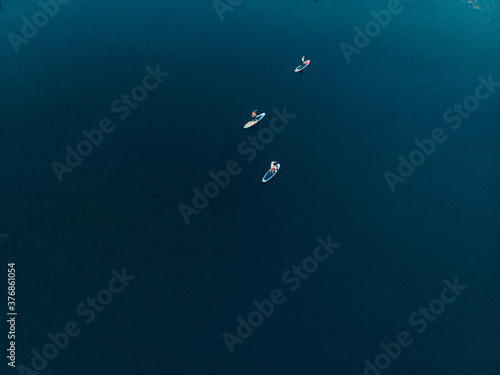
(249, 124)
(302, 66)
(270, 174)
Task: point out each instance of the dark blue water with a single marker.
(120, 206)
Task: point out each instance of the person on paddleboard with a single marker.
(274, 166)
(254, 114)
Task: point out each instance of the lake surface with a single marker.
(401, 242)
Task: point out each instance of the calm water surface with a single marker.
(119, 206)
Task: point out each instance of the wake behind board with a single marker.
(270, 174)
(302, 66)
(249, 124)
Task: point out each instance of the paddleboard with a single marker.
(270, 174)
(302, 66)
(249, 124)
